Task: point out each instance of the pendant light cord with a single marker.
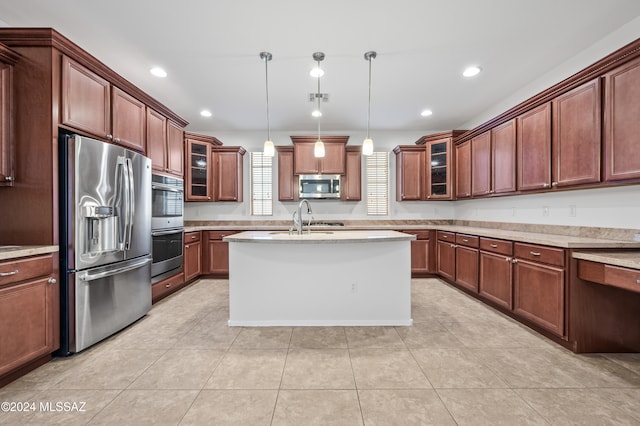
(266, 75)
(318, 96)
(369, 109)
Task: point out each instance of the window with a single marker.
(261, 184)
(378, 184)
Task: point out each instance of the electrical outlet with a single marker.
(354, 287)
(572, 210)
(545, 211)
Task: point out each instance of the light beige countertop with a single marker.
(319, 237)
(13, 252)
(554, 240)
(626, 259)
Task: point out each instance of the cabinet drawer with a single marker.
(167, 286)
(625, 278)
(420, 235)
(446, 236)
(467, 240)
(543, 254)
(13, 271)
(191, 237)
(218, 235)
(496, 246)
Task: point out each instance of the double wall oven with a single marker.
(167, 226)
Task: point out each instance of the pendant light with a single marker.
(367, 145)
(268, 149)
(318, 148)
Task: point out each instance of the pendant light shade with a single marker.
(367, 145)
(318, 149)
(268, 149)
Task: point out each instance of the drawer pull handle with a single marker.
(193, 237)
(637, 281)
(445, 236)
(514, 261)
(508, 259)
(493, 245)
(534, 253)
(8, 274)
(167, 285)
(464, 240)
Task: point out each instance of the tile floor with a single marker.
(461, 363)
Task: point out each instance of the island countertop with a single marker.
(319, 237)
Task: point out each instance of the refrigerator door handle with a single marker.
(130, 267)
(130, 197)
(122, 201)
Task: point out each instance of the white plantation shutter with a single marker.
(378, 184)
(261, 184)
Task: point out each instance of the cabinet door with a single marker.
(156, 140)
(576, 136)
(26, 323)
(128, 115)
(218, 257)
(446, 260)
(409, 175)
(481, 164)
(420, 256)
(6, 125)
(538, 294)
(198, 183)
(287, 181)
(351, 187)
(503, 157)
(622, 122)
(175, 149)
(85, 100)
(228, 176)
(467, 267)
(463, 170)
(304, 161)
(334, 159)
(495, 278)
(438, 165)
(534, 148)
(192, 260)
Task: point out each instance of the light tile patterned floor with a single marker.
(461, 363)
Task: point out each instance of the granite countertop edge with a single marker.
(321, 237)
(14, 252)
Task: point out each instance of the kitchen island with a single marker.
(321, 278)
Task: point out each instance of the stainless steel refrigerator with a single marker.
(105, 240)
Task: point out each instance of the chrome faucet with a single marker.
(297, 215)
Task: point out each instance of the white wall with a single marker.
(609, 207)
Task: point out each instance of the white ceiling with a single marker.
(211, 51)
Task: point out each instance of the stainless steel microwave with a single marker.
(319, 186)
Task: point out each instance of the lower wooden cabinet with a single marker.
(216, 253)
(446, 255)
(422, 252)
(192, 255)
(29, 311)
(467, 267)
(167, 286)
(495, 280)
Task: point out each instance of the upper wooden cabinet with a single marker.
(165, 144)
(622, 122)
(287, 180)
(7, 60)
(576, 136)
(333, 162)
(351, 186)
(534, 148)
(175, 149)
(91, 105)
(410, 171)
(481, 164)
(439, 165)
(503, 157)
(199, 163)
(227, 176)
(463, 170)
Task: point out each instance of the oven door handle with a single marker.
(167, 232)
(166, 188)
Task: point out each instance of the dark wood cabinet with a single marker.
(410, 169)
(534, 148)
(576, 136)
(481, 164)
(287, 180)
(216, 253)
(175, 149)
(439, 169)
(192, 255)
(467, 256)
(163, 288)
(333, 162)
(622, 122)
(227, 173)
(199, 166)
(351, 186)
(157, 140)
(29, 313)
(128, 120)
(496, 271)
(446, 255)
(539, 286)
(7, 158)
(422, 252)
(463, 170)
(503, 158)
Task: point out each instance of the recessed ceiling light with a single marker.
(316, 113)
(158, 72)
(426, 113)
(316, 72)
(471, 71)
(205, 113)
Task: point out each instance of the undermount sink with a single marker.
(304, 233)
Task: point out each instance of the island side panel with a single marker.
(319, 284)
